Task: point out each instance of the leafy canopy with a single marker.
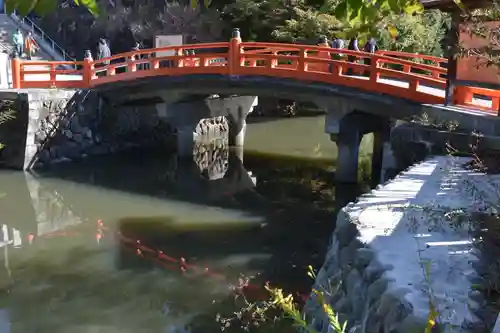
(362, 17)
(43, 7)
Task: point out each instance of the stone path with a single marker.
(381, 248)
(7, 28)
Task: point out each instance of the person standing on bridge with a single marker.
(322, 67)
(337, 43)
(370, 47)
(103, 51)
(18, 40)
(136, 56)
(30, 45)
(88, 55)
(353, 46)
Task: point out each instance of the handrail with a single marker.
(391, 74)
(35, 29)
(438, 60)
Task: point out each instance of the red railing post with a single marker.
(16, 73)
(302, 60)
(374, 65)
(234, 52)
(87, 72)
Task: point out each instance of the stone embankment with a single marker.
(395, 251)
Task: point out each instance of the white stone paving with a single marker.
(387, 228)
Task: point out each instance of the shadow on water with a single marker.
(269, 218)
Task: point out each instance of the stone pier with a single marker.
(66, 125)
(347, 131)
(208, 121)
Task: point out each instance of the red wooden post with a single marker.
(16, 73)
(234, 52)
(87, 72)
(374, 66)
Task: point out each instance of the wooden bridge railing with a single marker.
(418, 78)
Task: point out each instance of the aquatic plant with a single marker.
(6, 114)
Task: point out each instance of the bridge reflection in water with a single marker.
(211, 218)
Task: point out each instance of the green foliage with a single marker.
(5, 116)
(416, 34)
(367, 17)
(257, 19)
(43, 7)
(307, 24)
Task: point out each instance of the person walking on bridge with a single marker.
(136, 56)
(18, 40)
(322, 67)
(103, 51)
(30, 45)
(370, 47)
(353, 46)
(337, 43)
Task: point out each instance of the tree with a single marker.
(306, 24)
(127, 22)
(416, 34)
(363, 18)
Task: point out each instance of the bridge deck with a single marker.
(413, 77)
(387, 81)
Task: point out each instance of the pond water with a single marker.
(146, 242)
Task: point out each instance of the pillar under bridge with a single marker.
(347, 130)
(212, 121)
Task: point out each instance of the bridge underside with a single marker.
(179, 88)
(337, 100)
(124, 114)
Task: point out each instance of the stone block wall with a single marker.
(13, 132)
(394, 251)
(358, 290)
(60, 125)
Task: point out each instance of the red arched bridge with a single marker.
(417, 78)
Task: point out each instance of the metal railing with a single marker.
(37, 31)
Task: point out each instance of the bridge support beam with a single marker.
(209, 121)
(381, 139)
(348, 132)
(347, 157)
